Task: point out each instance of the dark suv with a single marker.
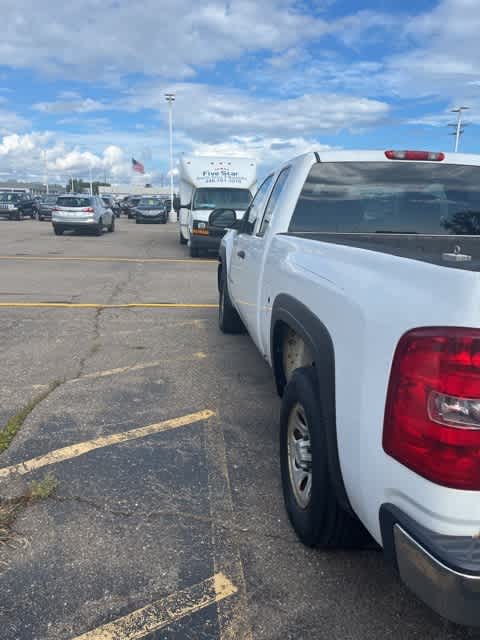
(15, 206)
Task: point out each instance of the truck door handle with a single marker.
(241, 254)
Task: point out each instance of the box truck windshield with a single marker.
(213, 198)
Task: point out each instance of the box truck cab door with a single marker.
(183, 221)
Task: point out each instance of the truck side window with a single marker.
(255, 208)
(272, 202)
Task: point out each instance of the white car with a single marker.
(77, 211)
(357, 276)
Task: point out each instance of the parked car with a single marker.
(356, 275)
(77, 212)
(16, 206)
(150, 210)
(45, 206)
(109, 201)
(129, 204)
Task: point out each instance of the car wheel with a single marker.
(182, 239)
(18, 216)
(57, 230)
(137, 221)
(309, 495)
(228, 319)
(99, 228)
(111, 226)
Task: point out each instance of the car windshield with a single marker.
(214, 198)
(9, 197)
(49, 200)
(74, 201)
(150, 202)
(381, 197)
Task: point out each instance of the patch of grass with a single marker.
(14, 424)
(11, 507)
(40, 490)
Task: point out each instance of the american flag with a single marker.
(137, 166)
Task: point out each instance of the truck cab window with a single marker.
(256, 207)
(272, 202)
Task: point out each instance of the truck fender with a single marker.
(290, 313)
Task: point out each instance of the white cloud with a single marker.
(22, 157)
(11, 122)
(70, 102)
(224, 113)
(108, 38)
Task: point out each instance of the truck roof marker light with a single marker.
(433, 156)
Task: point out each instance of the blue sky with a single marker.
(84, 85)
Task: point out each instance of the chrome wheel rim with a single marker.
(299, 456)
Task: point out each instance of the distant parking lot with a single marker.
(160, 436)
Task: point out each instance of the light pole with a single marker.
(458, 125)
(91, 183)
(170, 98)
(46, 170)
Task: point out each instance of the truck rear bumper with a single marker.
(443, 571)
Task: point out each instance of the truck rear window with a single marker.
(386, 197)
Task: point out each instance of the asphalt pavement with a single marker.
(168, 520)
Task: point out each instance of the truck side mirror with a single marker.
(223, 218)
(176, 203)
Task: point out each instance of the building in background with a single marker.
(135, 189)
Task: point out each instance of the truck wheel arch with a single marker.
(290, 315)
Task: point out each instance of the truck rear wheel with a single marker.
(182, 240)
(228, 319)
(310, 500)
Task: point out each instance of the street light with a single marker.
(458, 125)
(44, 153)
(170, 98)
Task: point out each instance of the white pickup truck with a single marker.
(357, 276)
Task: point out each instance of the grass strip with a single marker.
(14, 424)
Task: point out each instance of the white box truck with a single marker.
(208, 183)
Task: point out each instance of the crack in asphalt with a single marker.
(146, 515)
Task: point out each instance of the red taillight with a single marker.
(55, 209)
(432, 415)
(415, 155)
(89, 209)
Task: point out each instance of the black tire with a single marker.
(137, 221)
(182, 239)
(194, 252)
(111, 226)
(18, 216)
(321, 522)
(99, 228)
(228, 319)
(41, 218)
(58, 231)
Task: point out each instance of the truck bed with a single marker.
(429, 249)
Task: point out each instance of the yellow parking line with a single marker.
(199, 355)
(164, 612)
(81, 448)
(107, 259)
(98, 305)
